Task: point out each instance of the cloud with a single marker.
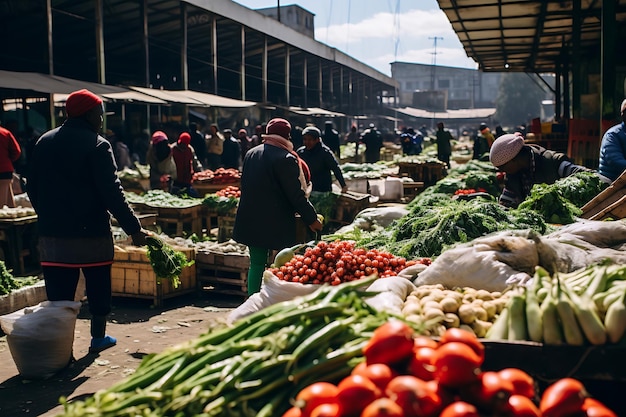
(378, 40)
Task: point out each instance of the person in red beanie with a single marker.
(10, 152)
(274, 188)
(159, 158)
(186, 164)
(76, 235)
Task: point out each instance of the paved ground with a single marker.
(139, 328)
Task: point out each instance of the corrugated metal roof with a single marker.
(525, 36)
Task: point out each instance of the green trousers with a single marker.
(258, 263)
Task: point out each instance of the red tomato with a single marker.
(522, 382)
(490, 392)
(455, 334)
(565, 396)
(379, 373)
(522, 406)
(446, 395)
(595, 408)
(425, 341)
(326, 410)
(456, 364)
(391, 343)
(422, 363)
(459, 409)
(383, 407)
(293, 412)
(315, 394)
(355, 393)
(415, 396)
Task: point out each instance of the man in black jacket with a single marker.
(75, 224)
(320, 160)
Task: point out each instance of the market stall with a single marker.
(18, 237)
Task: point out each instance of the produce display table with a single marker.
(427, 172)
(348, 206)
(411, 189)
(223, 274)
(225, 226)
(19, 239)
(132, 276)
(610, 203)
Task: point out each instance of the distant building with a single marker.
(293, 16)
(460, 88)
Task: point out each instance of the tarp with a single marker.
(50, 84)
(169, 95)
(315, 111)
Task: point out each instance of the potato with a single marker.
(467, 314)
(481, 327)
(491, 309)
(434, 314)
(411, 308)
(414, 318)
(484, 295)
(449, 305)
(431, 304)
(480, 313)
(451, 320)
(467, 328)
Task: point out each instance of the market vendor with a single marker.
(526, 165)
(321, 161)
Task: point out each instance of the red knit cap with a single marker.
(158, 136)
(80, 102)
(184, 138)
(280, 127)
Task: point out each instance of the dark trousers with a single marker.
(61, 283)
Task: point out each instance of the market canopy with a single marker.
(463, 114)
(315, 111)
(194, 98)
(51, 84)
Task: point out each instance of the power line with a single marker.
(433, 68)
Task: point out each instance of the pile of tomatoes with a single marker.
(219, 176)
(468, 191)
(404, 375)
(339, 261)
(231, 191)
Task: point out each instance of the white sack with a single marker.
(392, 292)
(40, 338)
(273, 290)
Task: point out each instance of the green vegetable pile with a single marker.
(428, 229)
(7, 282)
(222, 205)
(324, 203)
(160, 198)
(253, 368)
(560, 202)
(166, 262)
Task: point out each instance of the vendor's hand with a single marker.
(344, 189)
(316, 226)
(139, 238)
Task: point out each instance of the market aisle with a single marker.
(139, 328)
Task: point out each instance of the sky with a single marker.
(378, 32)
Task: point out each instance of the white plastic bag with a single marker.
(41, 337)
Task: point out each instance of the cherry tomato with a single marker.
(355, 393)
(522, 406)
(459, 409)
(383, 407)
(455, 334)
(565, 396)
(391, 343)
(315, 394)
(415, 396)
(379, 373)
(522, 382)
(456, 364)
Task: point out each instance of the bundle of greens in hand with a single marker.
(167, 263)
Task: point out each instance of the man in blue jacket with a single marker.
(320, 160)
(613, 149)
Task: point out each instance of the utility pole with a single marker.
(433, 68)
(278, 10)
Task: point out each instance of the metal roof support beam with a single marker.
(541, 19)
(214, 52)
(242, 67)
(51, 112)
(558, 92)
(305, 86)
(609, 108)
(264, 70)
(100, 58)
(576, 61)
(184, 69)
(320, 84)
(287, 74)
(566, 85)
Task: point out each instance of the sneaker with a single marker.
(100, 344)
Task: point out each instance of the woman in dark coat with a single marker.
(273, 184)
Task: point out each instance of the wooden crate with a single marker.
(348, 205)
(225, 226)
(233, 260)
(132, 276)
(175, 221)
(610, 203)
(222, 279)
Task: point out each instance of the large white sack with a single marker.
(392, 292)
(485, 263)
(40, 338)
